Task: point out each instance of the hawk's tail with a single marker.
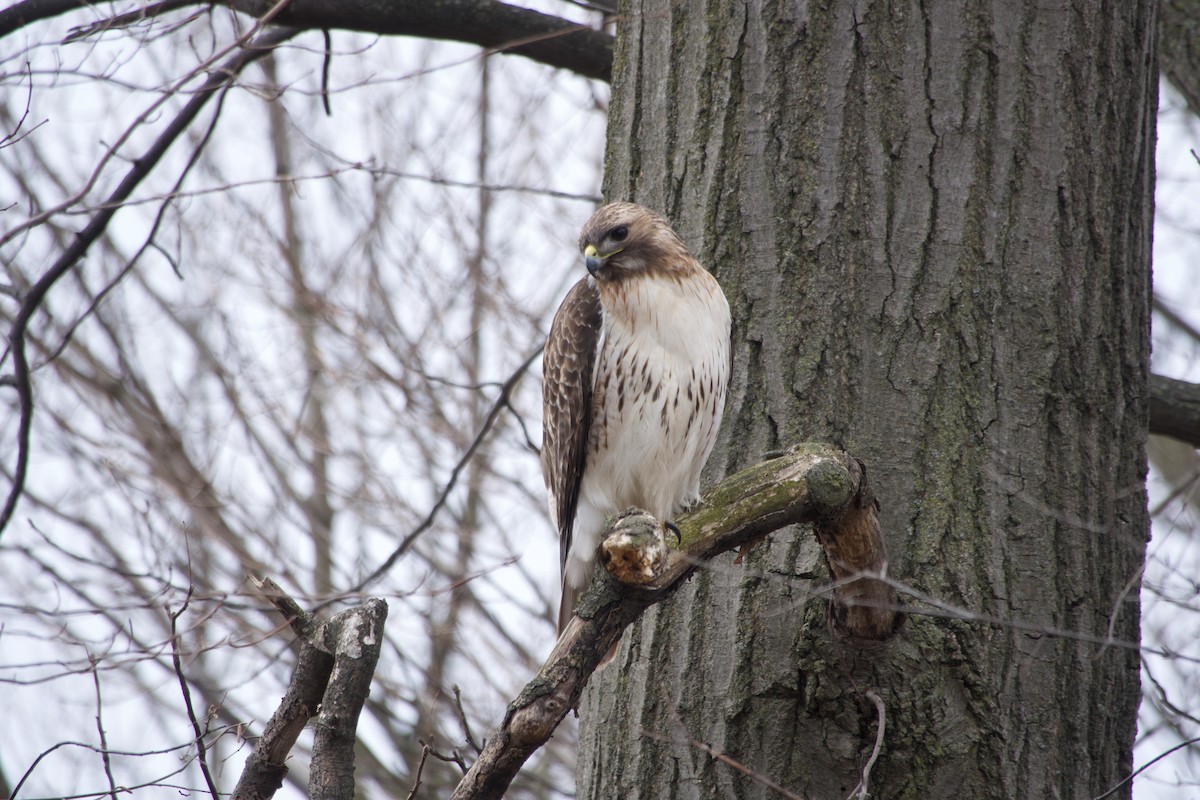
(566, 610)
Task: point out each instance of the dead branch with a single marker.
(864, 605)
(355, 637)
(333, 672)
(810, 483)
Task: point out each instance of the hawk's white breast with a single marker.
(658, 392)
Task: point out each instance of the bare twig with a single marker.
(325, 64)
(149, 242)
(15, 135)
(453, 757)
(155, 781)
(117, 21)
(420, 767)
(863, 790)
(1144, 767)
(462, 719)
(201, 749)
(761, 780)
(104, 754)
(499, 405)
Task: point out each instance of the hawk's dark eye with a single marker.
(619, 233)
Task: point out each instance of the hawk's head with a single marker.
(625, 239)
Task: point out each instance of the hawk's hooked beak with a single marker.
(592, 259)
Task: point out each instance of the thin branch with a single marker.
(149, 242)
(15, 135)
(326, 63)
(420, 767)
(350, 168)
(761, 780)
(462, 719)
(218, 77)
(1146, 766)
(104, 754)
(201, 749)
(453, 757)
(863, 790)
(158, 781)
(125, 20)
(499, 405)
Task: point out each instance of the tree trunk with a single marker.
(933, 224)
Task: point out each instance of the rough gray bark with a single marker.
(933, 224)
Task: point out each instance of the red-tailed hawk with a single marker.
(635, 370)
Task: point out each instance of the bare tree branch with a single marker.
(810, 483)
(497, 26)
(266, 767)
(1175, 409)
(331, 682)
(354, 637)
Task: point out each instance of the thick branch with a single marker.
(336, 664)
(541, 37)
(811, 483)
(1175, 409)
(354, 637)
(491, 24)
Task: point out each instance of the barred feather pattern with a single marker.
(636, 370)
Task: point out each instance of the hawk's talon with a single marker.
(673, 528)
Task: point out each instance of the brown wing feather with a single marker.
(567, 368)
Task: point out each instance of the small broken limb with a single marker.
(329, 686)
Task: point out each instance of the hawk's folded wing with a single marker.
(568, 368)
